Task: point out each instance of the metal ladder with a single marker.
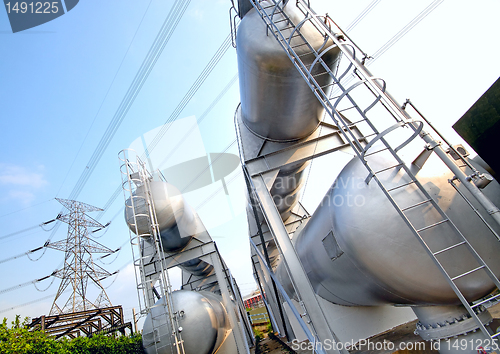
(135, 175)
(291, 38)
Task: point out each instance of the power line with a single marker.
(109, 223)
(189, 95)
(19, 232)
(182, 104)
(45, 246)
(210, 197)
(209, 165)
(384, 48)
(406, 29)
(79, 266)
(22, 285)
(362, 15)
(51, 296)
(201, 78)
(201, 118)
(109, 202)
(28, 303)
(31, 206)
(161, 40)
(27, 229)
(25, 253)
(105, 96)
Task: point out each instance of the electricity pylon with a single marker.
(79, 266)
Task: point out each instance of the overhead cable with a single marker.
(181, 105)
(31, 206)
(233, 80)
(194, 88)
(19, 286)
(27, 229)
(105, 96)
(31, 302)
(406, 29)
(25, 253)
(161, 40)
(362, 15)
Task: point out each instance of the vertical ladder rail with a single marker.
(343, 42)
(348, 48)
(127, 171)
(165, 286)
(134, 175)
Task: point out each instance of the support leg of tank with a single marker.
(305, 291)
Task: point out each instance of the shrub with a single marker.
(269, 328)
(19, 340)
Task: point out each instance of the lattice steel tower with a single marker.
(79, 266)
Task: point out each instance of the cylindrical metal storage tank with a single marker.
(276, 102)
(357, 250)
(202, 317)
(175, 218)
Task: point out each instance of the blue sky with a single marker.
(62, 82)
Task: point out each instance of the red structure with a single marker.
(254, 301)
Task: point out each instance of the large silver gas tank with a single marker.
(358, 251)
(202, 317)
(276, 102)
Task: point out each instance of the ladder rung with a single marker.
(435, 224)
(485, 301)
(368, 136)
(449, 248)
(284, 19)
(416, 205)
(332, 84)
(298, 45)
(320, 74)
(345, 109)
(307, 66)
(388, 168)
(353, 124)
(287, 28)
(467, 273)
(397, 187)
(295, 35)
(375, 152)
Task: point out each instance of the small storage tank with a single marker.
(175, 218)
(202, 323)
(177, 221)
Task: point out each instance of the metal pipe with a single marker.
(474, 209)
(268, 261)
(485, 202)
(464, 160)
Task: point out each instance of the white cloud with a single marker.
(20, 176)
(21, 182)
(24, 197)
